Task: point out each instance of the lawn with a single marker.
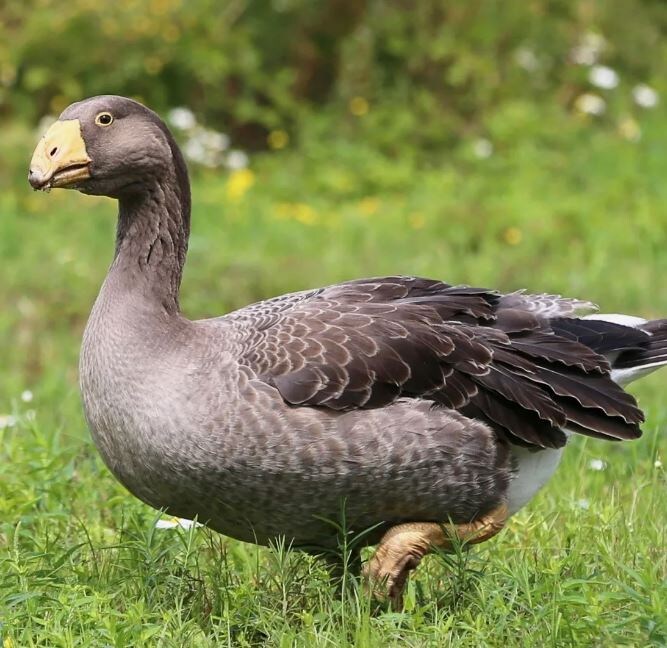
(580, 212)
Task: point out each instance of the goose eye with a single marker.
(104, 119)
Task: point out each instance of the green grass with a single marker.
(581, 212)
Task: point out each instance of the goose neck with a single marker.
(152, 240)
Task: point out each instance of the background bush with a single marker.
(421, 73)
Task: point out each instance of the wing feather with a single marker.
(514, 361)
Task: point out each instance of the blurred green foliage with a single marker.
(398, 71)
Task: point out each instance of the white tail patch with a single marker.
(616, 318)
(625, 376)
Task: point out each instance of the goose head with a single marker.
(106, 145)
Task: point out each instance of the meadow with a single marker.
(578, 211)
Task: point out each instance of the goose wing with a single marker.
(367, 343)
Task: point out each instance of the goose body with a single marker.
(249, 463)
(399, 399)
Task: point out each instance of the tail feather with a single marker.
(637, 363)
(655, 352)
(633, 346)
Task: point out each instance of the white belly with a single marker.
(533, 470)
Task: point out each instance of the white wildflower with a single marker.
(602, 76)
(525, 58)
(583, 504)
(182, 118)
(7, 421)
(236, 160)
(597, 464)
(206, 147)
(588, 51)
(26, 307)
(217, 141)
(657, 463)
(482, 148)
(211, 159)
(590, 104)
(64, 257)
(645, 96)
(26, 396)
(174, 522)
(195, 150)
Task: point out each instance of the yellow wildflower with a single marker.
(300, 212)
(277, 139)
(629, 129)
(8, 643)
(239, 183)
(416, 220)
(7, 73)
(512, 236)
(358, 106)
(109, 27)
(171, 33)
(305, 214)
(160, 7)
(369, 205)
(153, 64)
(142, 26)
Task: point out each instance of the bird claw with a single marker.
(387, 578)
(403, 546)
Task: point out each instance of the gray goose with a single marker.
(429, 412)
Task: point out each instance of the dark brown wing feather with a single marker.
(366, 343)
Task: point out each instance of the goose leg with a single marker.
(403, 546)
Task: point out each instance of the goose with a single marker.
(428, 413)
